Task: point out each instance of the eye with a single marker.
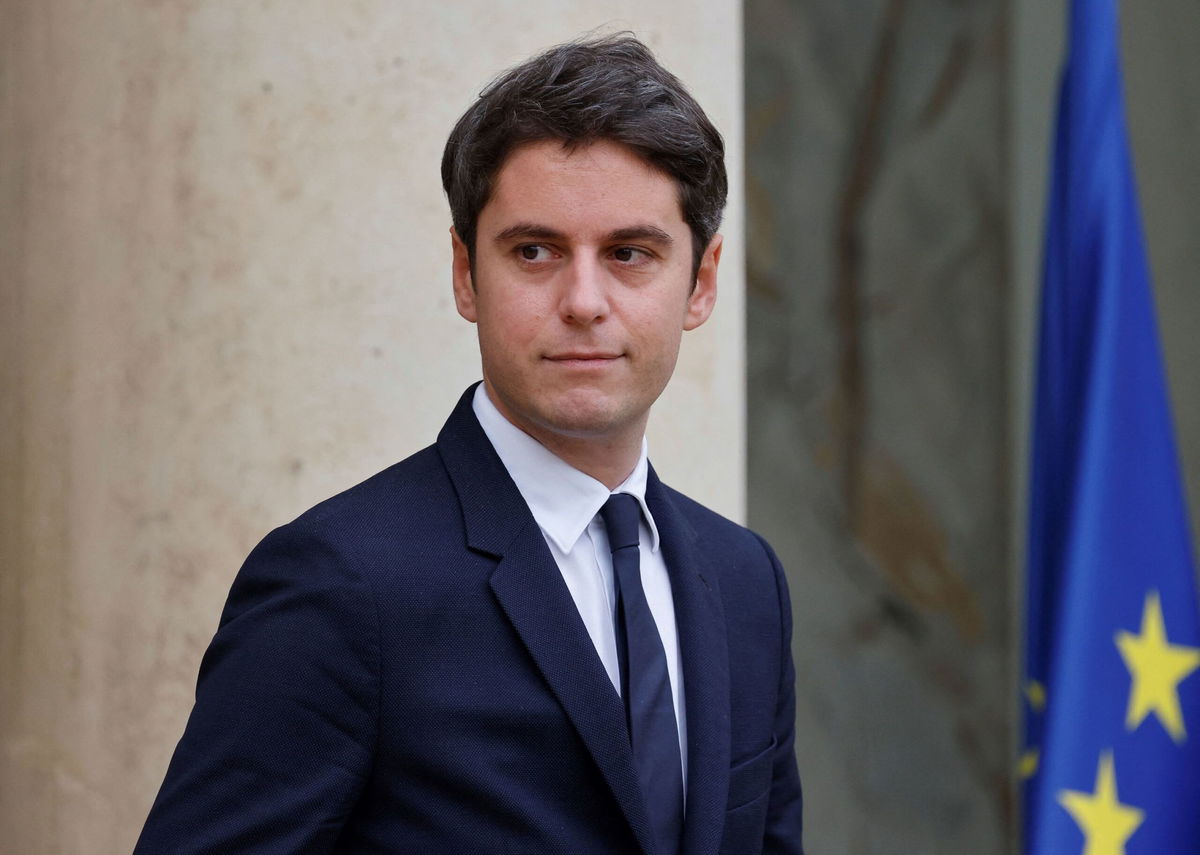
(630, 255)
(533, 252)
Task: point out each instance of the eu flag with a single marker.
(1111, 762)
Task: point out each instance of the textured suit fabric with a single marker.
(402, 670)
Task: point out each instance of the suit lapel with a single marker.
(530, 590)
(532, 593)
(700, 622)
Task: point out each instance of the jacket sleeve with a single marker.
(784, 812)
(281, 738)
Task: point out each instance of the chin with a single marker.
(581, 423)
(584, 418)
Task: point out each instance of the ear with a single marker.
(704, 291)
(464, 284)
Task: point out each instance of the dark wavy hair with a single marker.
(597, 88)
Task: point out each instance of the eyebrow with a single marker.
(642, 232)
(535, 231)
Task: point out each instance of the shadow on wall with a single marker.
(878, 451)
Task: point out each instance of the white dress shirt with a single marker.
(566, 504)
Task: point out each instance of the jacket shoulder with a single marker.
(387, 497)
(397, 518)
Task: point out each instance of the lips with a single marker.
(583, 356)
(584, 361)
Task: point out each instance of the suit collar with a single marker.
(491, 504)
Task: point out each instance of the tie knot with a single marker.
(621, 514)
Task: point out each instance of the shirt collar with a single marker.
(562, 499)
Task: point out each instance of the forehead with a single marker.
(604, 181)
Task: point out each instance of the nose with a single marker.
(584, 295)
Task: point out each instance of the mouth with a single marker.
(583, 358)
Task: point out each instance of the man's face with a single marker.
(581, 288)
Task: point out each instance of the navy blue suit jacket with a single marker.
(402, 670)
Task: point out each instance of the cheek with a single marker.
(510, 323)
(658, 328)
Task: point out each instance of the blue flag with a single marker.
(1111, 762)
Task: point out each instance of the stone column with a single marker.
(225, 268)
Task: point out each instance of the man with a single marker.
(519, 640)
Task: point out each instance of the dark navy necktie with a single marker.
(645, 685)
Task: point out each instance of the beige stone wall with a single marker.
(225, 295)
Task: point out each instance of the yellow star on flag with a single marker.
(1156, 668)
(1105, 822)
(1035, 692)
(1027, 766)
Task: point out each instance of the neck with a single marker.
(610, 463)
